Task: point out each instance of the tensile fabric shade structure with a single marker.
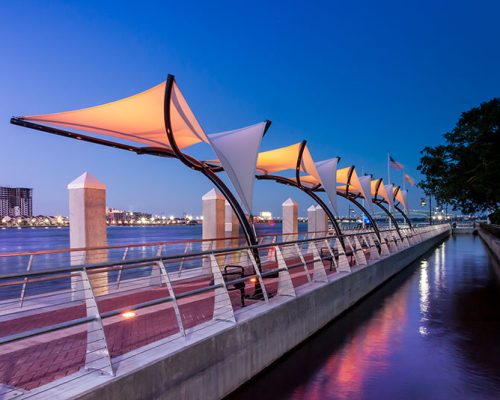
(286, 158)
(351, 183)
(402, 197)
(327, 170)
(139, 118)
(365, 182)
(162, 122)
(379, 191)
(237, 151)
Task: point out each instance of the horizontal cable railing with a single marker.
(55, 321)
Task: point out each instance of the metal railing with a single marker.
(55, 321)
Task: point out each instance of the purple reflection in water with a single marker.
(432, 332)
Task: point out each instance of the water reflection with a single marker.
(430, 333)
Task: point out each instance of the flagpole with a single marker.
(388, 169)
(389, 179)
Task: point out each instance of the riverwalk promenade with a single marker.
(185, 324)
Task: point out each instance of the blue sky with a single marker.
(356, 79)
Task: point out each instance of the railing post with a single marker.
(189, 246)
(303, 261)
(396, 244)
(97, 355)
(155, 277)
(285, 284)
(25, 283)
(223, 308)
(384, 247)
(319, 273)
(166, 279)
(360, 254)
(120, 270)
(342, 264)
(259, 276)
(329, 248)
(374, 256)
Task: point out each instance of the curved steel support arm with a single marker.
(365, 211)
(406, 218)
(389, 214)
(205, 169)
(314, 196)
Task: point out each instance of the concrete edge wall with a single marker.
(217, 365)
(492, 242)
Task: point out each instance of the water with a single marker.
(28, 239)
(33, 239)
(432, 332)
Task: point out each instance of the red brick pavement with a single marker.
(38, 364)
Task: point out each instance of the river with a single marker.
(432, 332)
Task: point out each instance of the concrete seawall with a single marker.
(213, 363)
(491, 240)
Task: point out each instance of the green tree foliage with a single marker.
(465, 171)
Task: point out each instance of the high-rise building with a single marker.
(16, 202)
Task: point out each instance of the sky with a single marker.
(356, 79)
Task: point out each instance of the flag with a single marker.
(409, 179)
(394, 164)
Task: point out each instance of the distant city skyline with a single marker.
(359, 83)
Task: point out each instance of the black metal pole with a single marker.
(430, 209)
(205, 170)
(310, 193)
(405, 217)
(394, 221)
(364, 210)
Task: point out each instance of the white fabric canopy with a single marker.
(365, 182)
(237, 152)
(327, 171)
(389, 189)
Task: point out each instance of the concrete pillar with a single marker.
(232, 225)
(311, 219)
(214, 221)
(214, 218)
(87, 227)
(290, 215)
(321, 220)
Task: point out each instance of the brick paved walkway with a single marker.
(37, 363)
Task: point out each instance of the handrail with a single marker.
(312, 254)
(145, 244)
(168, 258)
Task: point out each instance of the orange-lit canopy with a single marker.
(285, 158)
(342, 178)
(308, 180)
(347, 177)
(401, 196)
(379, 190)
(138, 118)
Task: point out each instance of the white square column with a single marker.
(311, 219)
(290, 219)
(87, 227)
(321, 221)
(232, 225)
(214, 215)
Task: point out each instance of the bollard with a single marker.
(290, 222)
(87, 228)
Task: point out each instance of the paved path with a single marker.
(33, 362)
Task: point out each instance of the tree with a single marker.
(465, 171)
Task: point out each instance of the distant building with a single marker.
(266, 215)
(119, 217)
(16, 202)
